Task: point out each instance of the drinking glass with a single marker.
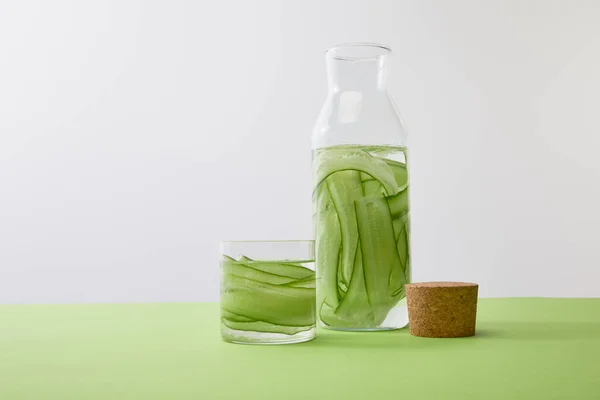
(268, 291)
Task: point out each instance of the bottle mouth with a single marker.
(358, 52)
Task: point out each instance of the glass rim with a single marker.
(383, 51)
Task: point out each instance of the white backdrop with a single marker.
(134, 135)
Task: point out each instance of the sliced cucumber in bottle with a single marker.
(361, 216)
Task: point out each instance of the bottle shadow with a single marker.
(540, 331)
(504, 331)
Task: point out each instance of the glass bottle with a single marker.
(360, 195)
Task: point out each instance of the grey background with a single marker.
(134, 135)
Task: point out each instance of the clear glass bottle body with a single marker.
(360, 195)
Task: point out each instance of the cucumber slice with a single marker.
(355, 308)
(398, 203)
(234, 317)
(380, 256)
(227, 259)
(297, 263)
(399, 224)
(407, 267)
(400, 172)
(246, 271)
(402, 244)
(261, 326)
(357, 160)
(346, 187)
(309, 282)
(328, 247)
(267, 296)
(361, 234)
(289, 271)
(372, 187)
(278, 305)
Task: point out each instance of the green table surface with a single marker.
(524, 349)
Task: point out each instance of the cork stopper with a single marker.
(442, 309)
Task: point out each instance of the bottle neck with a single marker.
(358, 67)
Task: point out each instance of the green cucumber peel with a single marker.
(280, 268)
(399, 203)
(356, 305)
(280, 305)
(307, 283)
(380, 256)
(344, 188)
(267, 296)
(246, 271)
(358, 161)
(361, 216)
(328, 247)
(234, 317)
(261, 326)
